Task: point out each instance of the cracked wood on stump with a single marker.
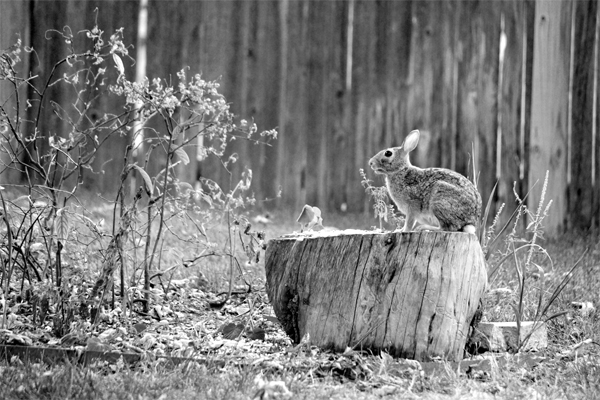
(412, 295)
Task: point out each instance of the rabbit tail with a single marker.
(469, 229)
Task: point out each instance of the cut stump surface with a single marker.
(412, 295)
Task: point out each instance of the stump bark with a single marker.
(412, 295)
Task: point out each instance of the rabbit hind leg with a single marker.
(446, 205)
(427, 222)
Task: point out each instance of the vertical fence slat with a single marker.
(47, 53)
(264, 96)
(216, 47)
(596, 140)
(282, 179)
(421, 80)
(580, 198)
(363, 105)
(548, 138)
(477, 102)
(333, 89)
(517, 16)
(316, 100)
(293, 125)
(112, 15)
(445, 105)
(14, 24)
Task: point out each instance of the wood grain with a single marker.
(549, 108)
(410, 294)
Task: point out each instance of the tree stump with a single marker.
(412, 295)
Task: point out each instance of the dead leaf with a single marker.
(140, 327)
(231, 330)
(21, 340)
(95, 344)
(107, 334)
(256, 334)
(271, 318)
(241, 310)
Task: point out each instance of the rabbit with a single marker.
(437, 198)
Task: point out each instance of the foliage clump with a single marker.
(53, 241)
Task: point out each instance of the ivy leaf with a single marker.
(61, 225)
(145, 177)
(183, 156)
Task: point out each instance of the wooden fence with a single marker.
(515, 82)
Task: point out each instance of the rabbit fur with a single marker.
(436, 198)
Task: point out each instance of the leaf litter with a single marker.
(183, 322)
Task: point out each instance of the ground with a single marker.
(244, 354)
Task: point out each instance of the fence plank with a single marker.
(14, 24)
(420, 82)
(446, 27)
(548, 139)
(364, 105)
(316, 99)
(477, 102)
(112, 15)
(596, 139)
(580, 194)
(512, 114)
(264, 95)
(292, 150)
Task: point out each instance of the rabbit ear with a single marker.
(411, 141)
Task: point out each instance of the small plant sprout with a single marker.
(383, 210)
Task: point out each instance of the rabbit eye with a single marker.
(388, 153)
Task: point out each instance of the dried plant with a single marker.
(384, 211)
(50, 235)
(523, 251)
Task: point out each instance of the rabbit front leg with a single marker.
(426, 227)
(409, 223)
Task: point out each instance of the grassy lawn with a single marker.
(271, 366)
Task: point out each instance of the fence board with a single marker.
(264, 94)
(420, 82)
(478, 73)
(596, 140)
(294, 124)
(364, 103)
(112, 15)
(446, 28)
(218, 45)
(580, 193)
(14, 24)
(517, 17)
(316, 99)
(549, 108)
(47, 53)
